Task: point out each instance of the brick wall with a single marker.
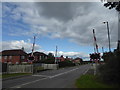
(13, 59)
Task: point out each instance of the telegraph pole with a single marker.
(102, 49)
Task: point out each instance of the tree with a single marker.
(112, 5)
(115, 5)
(50, 55)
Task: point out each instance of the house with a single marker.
(77, 61)
(15, 56)
(38, 56)
(60, 59)
(67, 58)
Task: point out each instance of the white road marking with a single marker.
(63, 73)
(42, 76)
(85, 71)
(19, 86)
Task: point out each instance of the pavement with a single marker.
(61, 78)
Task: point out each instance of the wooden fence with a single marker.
(50, 66)
(20, 68)
(32, 68)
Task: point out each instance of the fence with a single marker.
(33, 68)
(20, 68)
(50, 66)
(4, 67)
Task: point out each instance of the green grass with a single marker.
(90, 81)
(0, 76)
(14, 74)
(39, 68)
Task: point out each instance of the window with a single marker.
(22, 57)
(5, 57)
(40, 57)
(10, 57)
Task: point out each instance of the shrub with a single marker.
(66, 63)
(109, 72)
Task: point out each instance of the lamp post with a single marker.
(108, 34)
(118, 46)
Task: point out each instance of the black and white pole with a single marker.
(56, 55)
(33, 46)
(95, 42)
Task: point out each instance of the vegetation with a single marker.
(0, 76)
(112, 5)
(14, 74)
(109, 72)
(66, 63)
(90, 81)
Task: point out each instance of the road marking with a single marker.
(42, 76)
(19, 86)
(85, 71)
(63, 73)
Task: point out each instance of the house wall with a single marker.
(13, 60)
(23, 59)
(40, 57)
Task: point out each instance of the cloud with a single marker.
(74, 21)
(70, 54)
(61, 11)
(7, 45)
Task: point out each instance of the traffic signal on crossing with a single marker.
(31, 58)
(95, 56)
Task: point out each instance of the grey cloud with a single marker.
(63, 10)
(74, 21)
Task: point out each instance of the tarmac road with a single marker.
(61, 78)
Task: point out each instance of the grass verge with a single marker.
(90, 81)
(14, 74)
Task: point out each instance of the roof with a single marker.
(77, 58)
(13, 52)
(38, 53)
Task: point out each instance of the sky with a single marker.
(68, 25)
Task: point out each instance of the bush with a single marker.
(109, 72)
(66, 63)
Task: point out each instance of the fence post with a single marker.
(7, 68)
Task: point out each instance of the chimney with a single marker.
(22, 48)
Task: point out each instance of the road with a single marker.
(61, 78)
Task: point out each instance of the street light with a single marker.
(108, 34)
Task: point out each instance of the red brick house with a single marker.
(60, 59)
(38, 56)
(15, 56)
